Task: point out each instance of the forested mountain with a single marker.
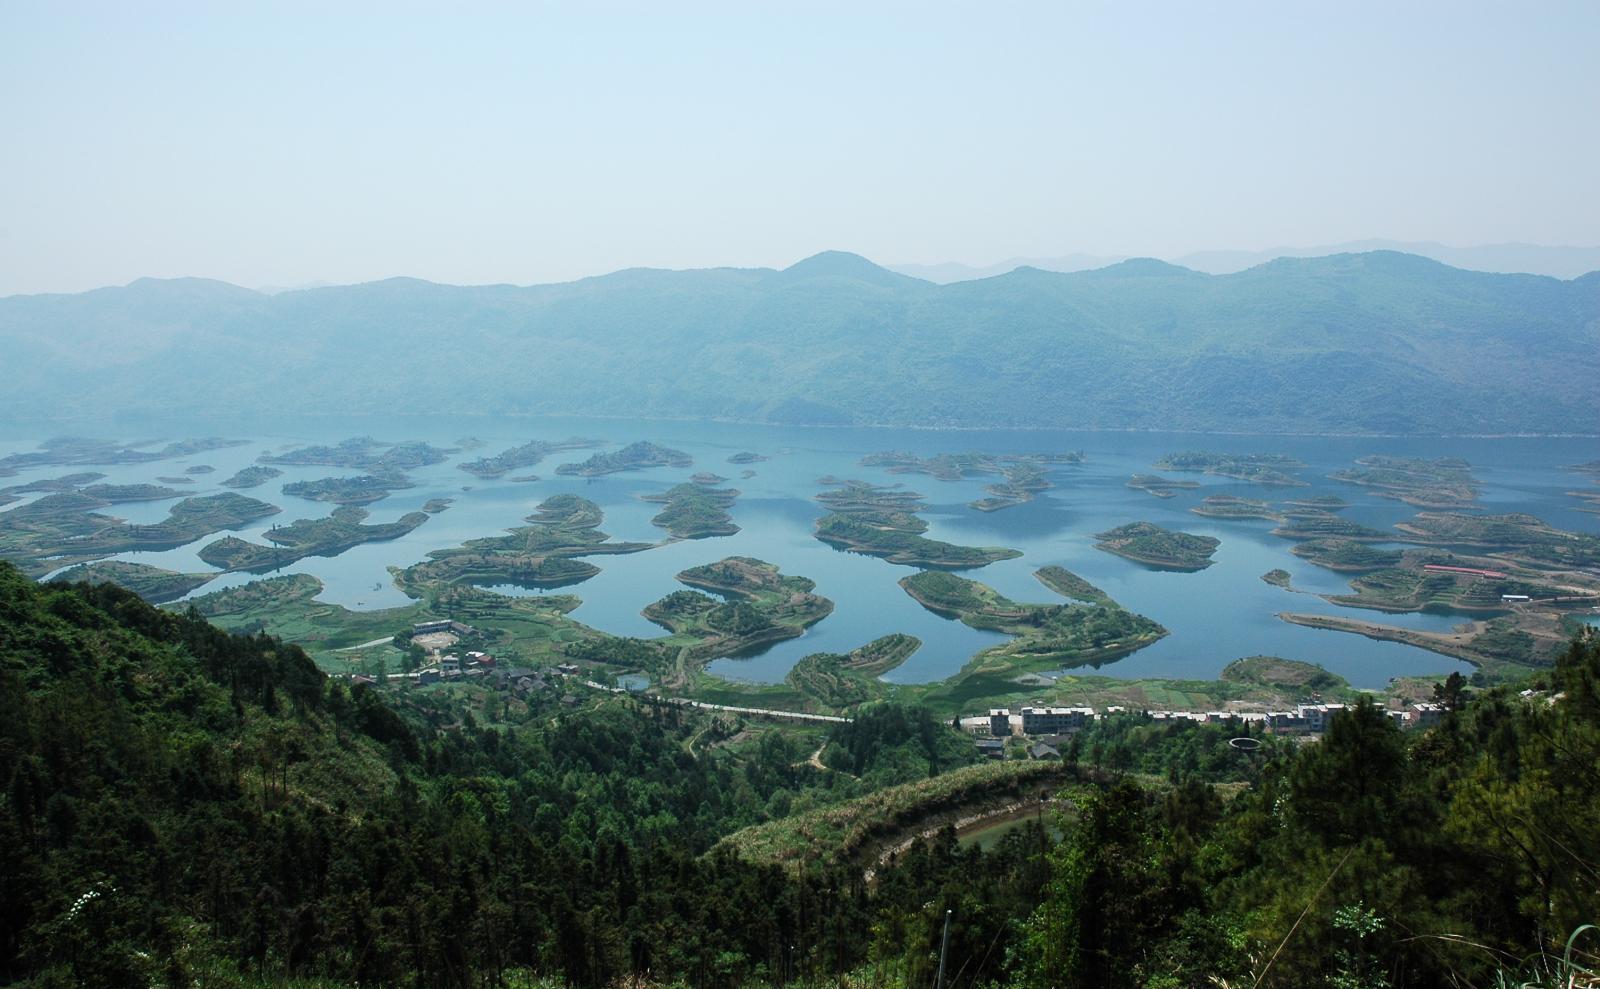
(186, 807)
(1376, 342)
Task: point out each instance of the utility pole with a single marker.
(944, 942)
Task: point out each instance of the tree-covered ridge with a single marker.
(363, 453)
(66, 528)
(183, 806)
(634, 456)
(517, 457)
(1377, 343)
(695, 511)
(1148, 543)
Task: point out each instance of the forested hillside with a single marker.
(184, 807)
(1379, 342)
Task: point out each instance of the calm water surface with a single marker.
(1215, 616)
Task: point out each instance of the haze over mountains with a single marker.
(1379, 342)
(1530, 259)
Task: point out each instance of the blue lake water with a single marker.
(1215, 616)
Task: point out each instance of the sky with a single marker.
(287, 144)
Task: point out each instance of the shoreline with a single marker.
(198, 415)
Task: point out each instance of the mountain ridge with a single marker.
(1375, 342)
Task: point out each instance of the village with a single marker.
(1048, 727)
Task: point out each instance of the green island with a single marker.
(634, 456)
(1161, 487)
(1514, 537)
(1269, 469)
(200, 469)
(844, 681)
(1409, 587)
(306, 537)
(1022, 481)
(746, 457)
(881, 521)
(1048, 637)
(1278, 577)
(1069, 585)
(540, 554)
(1321, 503)
(518, 457)
(1346, 555)
(176, 480)
(253, 476)
(708, 479)
(72, 451)
(762, 606)
(1311, 524)
(1164, 549)
(1024, 474)
(1446, 482)
(362, 490)
(694, 511)
(433, 506)
(69, 482)
(115, 493)
(1502, 648)
(362, 453)
(63, 529)
(1233, 507)
(1304, 681)
(151, 583)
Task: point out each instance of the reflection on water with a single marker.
(1215, 616)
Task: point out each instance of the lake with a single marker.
(1215, 616)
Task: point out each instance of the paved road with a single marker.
(754, 712)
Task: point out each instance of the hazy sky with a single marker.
(527, 143)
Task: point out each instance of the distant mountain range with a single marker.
(1532, 259)
(1378, 342)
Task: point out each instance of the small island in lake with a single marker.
(763, 607)
(1346, 555)
(1164, 549)
(1257, 468)
(707, 478)
(113, 494)
(1161, 487)
(635, 456)
(200, 469)
(306, 537)
(540, 554)
(882, 522)
(1023, 474)
(362, 453)
(519, 457)
(362, 490)
(1278, 578)
(847, 680)
(1313, 524)
(1234, 507)
(1443, 483)
(1305, 681)
(746, 457)
(253, 476)
(1069, 585)
(72, 451)
(62, 529)
(1048, 636)
(151, 583)
(695, 512)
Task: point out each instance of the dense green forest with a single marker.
(184, 807)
